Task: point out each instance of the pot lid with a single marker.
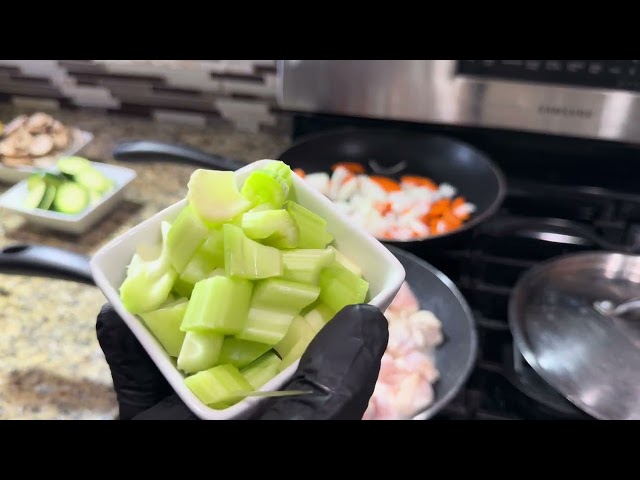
(576, 321)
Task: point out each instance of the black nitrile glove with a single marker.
(340, 367)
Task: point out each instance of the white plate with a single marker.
(381, 269)
(14, 174)
(14, 198)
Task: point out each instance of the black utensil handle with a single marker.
(149, 150)
(44, 261)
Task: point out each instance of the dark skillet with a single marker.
(383, 152)
(455, 358)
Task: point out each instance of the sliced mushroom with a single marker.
(38, 123)
(14, 124)
(21, 140)
(61, 139)
(41, 145)
(16, 161)
(8, 147)
(57, 126)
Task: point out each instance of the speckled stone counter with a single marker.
(51, 366)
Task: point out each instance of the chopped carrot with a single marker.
(419, 181)
(386, 183)
(300, 172)
(434, 226)
(438, 208)
(383, 207)
(451, 220)
(353, 167)
(457, 202)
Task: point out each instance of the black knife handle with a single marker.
(45, 261)
(149, 150)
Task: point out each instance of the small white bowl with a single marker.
(381, 269)
(14, 198)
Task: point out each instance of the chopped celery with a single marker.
(261, 370)
(304, 265)
(192, 275)
(246, 258)
(318, 316)
(274, 227)
(149, 281)
(341, 287)
(273, 184)
(200, 351)
(183, 288)
(241, 353)
(260, 187)
(165, 322)
(346, 263)
(186, 235)
(218, 304)
(283, 295)
(299, 330)
(282, 173)
(313, 228)
(266, 326)
(294, 354)
(214, 195)
(212, 251)
(218, 385)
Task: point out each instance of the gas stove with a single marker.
(565, 195)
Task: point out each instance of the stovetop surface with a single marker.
(564, 195)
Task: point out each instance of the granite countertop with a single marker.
(52, 366)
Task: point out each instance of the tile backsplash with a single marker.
(241, 92)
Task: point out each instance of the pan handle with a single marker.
(45, 261)
(150, 150)
(552, 230)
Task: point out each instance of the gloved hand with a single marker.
(340, 367)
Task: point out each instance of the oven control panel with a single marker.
(609, 74)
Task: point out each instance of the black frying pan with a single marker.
(384, 152)
(455, 357)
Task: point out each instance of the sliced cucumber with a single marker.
(37, 189)
(73, 165)
(71, 198)
(48, 197)
(92, 179)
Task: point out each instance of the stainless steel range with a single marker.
(566, 135)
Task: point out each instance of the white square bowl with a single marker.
(14, 198)
(381, 269)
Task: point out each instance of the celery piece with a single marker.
(346, 263)
(282, 173)
(341, 287)
(241, 353)
(192, 275)
(299, 330)
(212, 251)
(246, 258)
(215, 196)
(165, 322)
(149, 281)
(187, 234)
(261, 370)
(266, 326)
(200, 351)
(315, 320)
(274, 227)
(218, 304)
(283, 295)
(313, 228)
(259, 187)
(304, 265)
(183, 288)
(294, 354)
(219, 385)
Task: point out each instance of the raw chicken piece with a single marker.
(405, 300)
(407, 368)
